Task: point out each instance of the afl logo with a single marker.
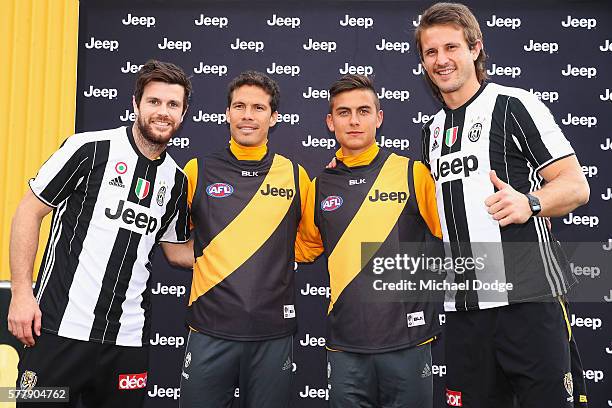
(219, 190)
(474, 133)
(331, 203)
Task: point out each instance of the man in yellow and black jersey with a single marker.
(379, 342)
(246, 203)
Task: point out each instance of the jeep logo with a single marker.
(133, 220)
(449, 168)
(399, 196)
(277, 192)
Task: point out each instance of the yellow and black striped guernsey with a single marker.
(246, 204)
(381, 198)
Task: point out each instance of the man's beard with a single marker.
(149, 137)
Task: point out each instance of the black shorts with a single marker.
(518, 351)
(99, 375)
(214, 368)
(395, 379)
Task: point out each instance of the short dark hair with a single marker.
(160, 71)
(459, 15)
(258, 79)
(351, 82)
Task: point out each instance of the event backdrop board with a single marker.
(561, 51)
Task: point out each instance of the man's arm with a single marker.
(180, 255)
(25, 230)
(566, 189)
(308, 243)
(425, 190)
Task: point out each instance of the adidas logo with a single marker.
(287, 364)
(426, 371)
(117, 182)
(435, 145)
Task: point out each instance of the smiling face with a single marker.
(449, 62)
(354, 120)
(160, 112)
(250, 115)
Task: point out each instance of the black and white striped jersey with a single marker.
(510, 131)
(111, 206)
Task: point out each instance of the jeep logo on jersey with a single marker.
(219, 190)
(142, 188)
(474, 133)
(132, 381)
(132, 218)
(399, 196)
(453, 167)
(450, 136)
(331, 203)
(277, 192)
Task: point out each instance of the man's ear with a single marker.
(273, 118)
(135, 105)
(330, 122)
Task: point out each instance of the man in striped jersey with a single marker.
(501, 166)
(114, 194)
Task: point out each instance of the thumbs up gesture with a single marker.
(507, 206)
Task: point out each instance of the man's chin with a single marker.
(247, 141)
(157, 137)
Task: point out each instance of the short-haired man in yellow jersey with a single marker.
(379, 350)
(246, 203)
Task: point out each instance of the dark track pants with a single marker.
(396, 379)
(213, 368)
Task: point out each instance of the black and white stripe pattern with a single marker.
(95, 275)
(518, 137)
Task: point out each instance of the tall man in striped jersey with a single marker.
(246, 203)
(379, 351)
(114, 194)
(501, 166)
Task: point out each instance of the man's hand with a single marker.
(507, 205)
(332, 164)
(24, 311)
(179, 255)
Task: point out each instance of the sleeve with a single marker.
(191, 170)
(60, 175)
(425, 135)
(540, 138)
(425, 190)
(308, 243)
(177, 229)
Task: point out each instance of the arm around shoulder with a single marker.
(179, 254)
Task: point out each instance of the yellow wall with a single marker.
(37, 97)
